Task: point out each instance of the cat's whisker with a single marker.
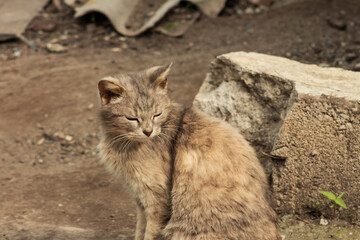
(124, 147)
(117, 139)
(165, 137)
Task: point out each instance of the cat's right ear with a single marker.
(109, 89)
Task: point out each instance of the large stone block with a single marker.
(307, 115)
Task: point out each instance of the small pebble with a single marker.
(59, 135)
(350, 57)
(68, 138)
(356, 67)
(239, 11)
(314, 153)
(17, 52)
(323, 222)
(337, 23)
(116, 49)
(55, 48)
(342, 127)
(123, 39)
(41, 141)
(249, 10)
(3, 57)
(90, 106)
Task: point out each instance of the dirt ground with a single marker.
(52, 186)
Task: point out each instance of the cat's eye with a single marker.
(157, 115)
(132, 119)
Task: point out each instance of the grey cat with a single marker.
(192, 176)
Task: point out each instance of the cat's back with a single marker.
(217, 143)
(219, 187)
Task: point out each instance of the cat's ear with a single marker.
(158, 75)
(109, 89)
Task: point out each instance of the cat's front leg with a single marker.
(154, 223)
(140, 222)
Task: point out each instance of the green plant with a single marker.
(172, 24)
(338, 200)
(92, 18)
(313, 201)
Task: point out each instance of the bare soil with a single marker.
(52, 186)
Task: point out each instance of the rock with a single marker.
(116, 49)
(239, 11)
(3, 57)
(314, 153)
(356, 67)
(57, 4)
(262, 2)
(16, 52)
(249, 10)
(43, 25)
(68, 138)
(70, 3)
(59, 135)
(324, 222)
(342, 127)
(55, 48)
(294, 110)
(123, 39)
(337, 23)
(41, 141)
(90, 106)
(349, 57)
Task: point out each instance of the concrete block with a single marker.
(307, 116)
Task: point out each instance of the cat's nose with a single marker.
(147, 133)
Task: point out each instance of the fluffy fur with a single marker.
(193, 177)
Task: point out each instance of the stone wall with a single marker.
(305, 116)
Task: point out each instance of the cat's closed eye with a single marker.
(132, 119)
(157, 115)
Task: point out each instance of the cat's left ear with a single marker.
(158, 75)
(109, 89)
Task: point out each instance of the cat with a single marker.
(192, 176)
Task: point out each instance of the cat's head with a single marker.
(135, 105)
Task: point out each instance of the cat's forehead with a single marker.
(140, 93)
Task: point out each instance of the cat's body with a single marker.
(192, 176)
